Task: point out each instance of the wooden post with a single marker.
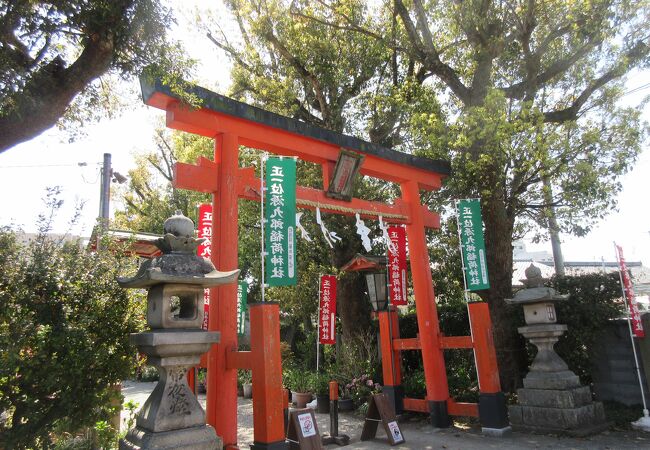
(268, 395)
(391, 360)
(492, 409)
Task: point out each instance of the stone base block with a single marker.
(195, 438)
(496, 432)
(438, 414)
(280, 445)
(492, 411)
(555, 398)
(551, 380)
(581, 421)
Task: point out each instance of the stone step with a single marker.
(556, 419)
(555, 398)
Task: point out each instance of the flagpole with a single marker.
(318, 327)
(262, 221)
(644, 422)
(389, 288)
(462, 260)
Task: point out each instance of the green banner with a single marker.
(242, 305)
(280, 227)
(472, 245)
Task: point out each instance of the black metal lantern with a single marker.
(377, 290)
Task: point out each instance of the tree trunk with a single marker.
(353, 307)
(509, 345)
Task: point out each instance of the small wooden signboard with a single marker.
(379, 410)
(303, 431)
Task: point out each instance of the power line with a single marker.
(636, 89)
(31, 166)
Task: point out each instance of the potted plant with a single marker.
(245, 378)
(320, 387)
(299, 381)
(345, 400)
(361, 388)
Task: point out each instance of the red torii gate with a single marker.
(232, 124)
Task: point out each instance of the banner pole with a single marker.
(318, 326)
(643, 422)
(462, 260)
(390, 321)
(262, 221)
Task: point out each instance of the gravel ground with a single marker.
(421, 436)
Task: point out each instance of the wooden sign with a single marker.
(303, 430)
(379, 410)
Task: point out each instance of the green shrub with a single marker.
(461, 372)
(297, 379)
(320, 383)
(594, 300)
(64, 338)
(414, 385)
(148, 373)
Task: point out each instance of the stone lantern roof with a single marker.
(534, 290)
(179, 262)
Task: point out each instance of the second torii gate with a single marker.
(232, 124)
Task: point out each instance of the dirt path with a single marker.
(419, 435)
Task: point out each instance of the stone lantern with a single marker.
(172, 416)
(552, 399)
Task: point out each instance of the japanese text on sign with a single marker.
(397, 265)
(327, 310)
(205, 250)
(472, 245)
(635, 315)
(280, 227)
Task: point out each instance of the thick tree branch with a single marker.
(47, 94)
(302, 70)
(638, 52)
(50, 91)
(430, 58)
(518, 91)
(231, 51)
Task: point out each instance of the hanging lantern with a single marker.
(377, 290)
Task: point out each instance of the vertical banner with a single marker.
(205, 250)
(635, 317)
(470, 229)
(280, 227)
(242, 305)
(397, 265)
(327, 315)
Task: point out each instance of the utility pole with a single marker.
(553, 228)
(105, 192)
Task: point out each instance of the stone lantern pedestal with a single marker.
(552, 399)
(172, 417)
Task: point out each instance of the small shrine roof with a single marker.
(364, 262)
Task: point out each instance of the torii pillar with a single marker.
(222, 177)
